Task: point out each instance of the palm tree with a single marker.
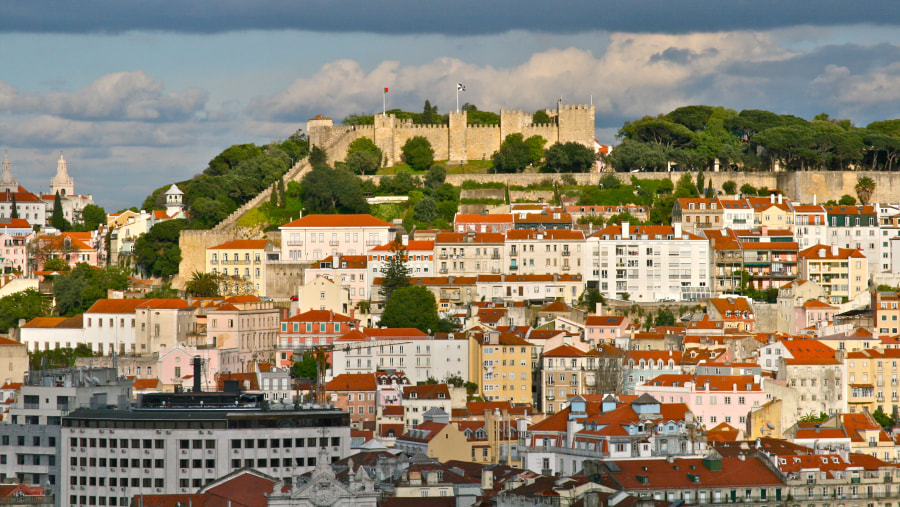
(202, 285)
(865, 187)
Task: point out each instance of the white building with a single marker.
(421, 357)
(109, 325)
(650, 263)
(73, 204)
(106, 455)
(314, 237)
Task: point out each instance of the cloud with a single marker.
(636, 75)
(121, 96)
(415, 16)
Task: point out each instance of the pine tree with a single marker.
(273, 199)
(700, 182)
(57, 220)
(281, 193)
(396, 271)
(710, 193)
(15, 208)
(427, 113)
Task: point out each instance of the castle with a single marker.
(457, 142)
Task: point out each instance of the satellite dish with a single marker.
(770, 426)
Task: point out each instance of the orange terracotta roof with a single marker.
(146, 383)
(825, 252)
(427, 392)
(563, 351)
(464, 237)
(352, 382)
(115, 305)
(318, 316)
(242, 244)
(241, 299)
(471, 218)
(164, 304)
(549, 234)
(328, 221)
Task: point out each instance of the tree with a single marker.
(865, 187)
(535, 149)
(471, 388)
(610, 182)
(455, 381)
(78, 290)
(729, 187)
(540, 117)
(709, 189)
(881, 418)
(325, 190)
(157, 252)
(589, 299)
(411, 306)
(748, 190)
(425, 210)
(570, 157)
(513, 155)
(363, 150)
(396, 271)
(435, 177)
(609, 375)
(664, 318)
(685, 187)
(56, 264)
(417, 152)
(58, 220)
(305, 367)
(847, 200)
(701, 184)
(202, 285)
(15, 208)
(429, 112)
(24, 305)
(318, 157)
(813, 418)
(93, 216)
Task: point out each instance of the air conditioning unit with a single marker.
(82, 469)
(111, 432)
(123, 451)
(82, 488)
(124, 469)
(184, 470)
(146, 451)
(168, 432)
(159, 432)
(74, 449)
(81, 430)
(146, 470)
(209, 451)
(101, 432)
(209, 432)
(123, 488)
(184, 451)
(209, 470)
(237, 451)
(82, 449)
(159, 490)
(274, 451)
(73, 468)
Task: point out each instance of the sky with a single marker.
(138, 95)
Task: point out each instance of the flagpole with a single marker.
(457, 98)
(384, 103)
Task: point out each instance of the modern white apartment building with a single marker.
(109, 456)
(420, 357)
(650, 263)
(544, 252)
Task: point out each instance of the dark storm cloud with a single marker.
(680, 56)
(416, 16)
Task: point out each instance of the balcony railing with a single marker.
(513, 253)
(566, 253)
(495, 256)
(513, 267)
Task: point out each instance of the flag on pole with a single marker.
(385, 90)
(459, 87)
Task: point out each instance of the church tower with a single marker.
(174, 204)
(62, 182)
(8, 182)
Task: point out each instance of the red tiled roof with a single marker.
(825, 252)
(604, 320)
(412, 246)
(471, 218)
(242, 244)
(318, 316)
(564, 351)
(393, 410)
(352, 382)
(164, 304)
(660, 474)
(115, 305)
(338, 221)
(427, 392)
(463, 237)
(146, 383)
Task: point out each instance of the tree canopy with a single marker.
(411, 306)
(78, 290)
(157, 252)
(418, 153)
(26, 305)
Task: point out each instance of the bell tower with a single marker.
(62, 182)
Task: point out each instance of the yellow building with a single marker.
(765, 421)
(242, 259)
(842, 272)
(13, 361)
(886, 306)
(872, 381)
(500, 363)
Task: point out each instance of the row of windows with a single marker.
(23, 440)
(102, 443)
(275, 443)
(117, 462)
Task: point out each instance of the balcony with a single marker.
(295, 242)
(443, 255)
(513, 253)
(495, 255)
(513, 267)
(495, 271)
(373, 242)
(442, 271)
(214, 261)
(334, 242)
(566, 253)
(566, 268)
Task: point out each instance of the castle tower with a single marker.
(8, 182)
(384, 137)
(576, 123)
(459, 152)
(62, 182)
(317, 129)
(174, 204)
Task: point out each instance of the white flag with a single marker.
(460, 87)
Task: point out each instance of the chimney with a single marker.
(677, 230)
(780, 199)
(814, 200)
(487, 480)
(198, 367)
(834, 249)
(772, 198)
(625, 232)
(405, 240)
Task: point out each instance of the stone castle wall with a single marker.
(458, 141)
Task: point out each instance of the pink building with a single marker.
(355, 393)
(314, 237)
(14, 252)
(308, 329)
(811, 314)
(469, 222)
(175, 366)
(611, 329)
(247, 324)
(390, 388)
(713, 399)
(72, 247)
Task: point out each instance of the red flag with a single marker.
(385, 90)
